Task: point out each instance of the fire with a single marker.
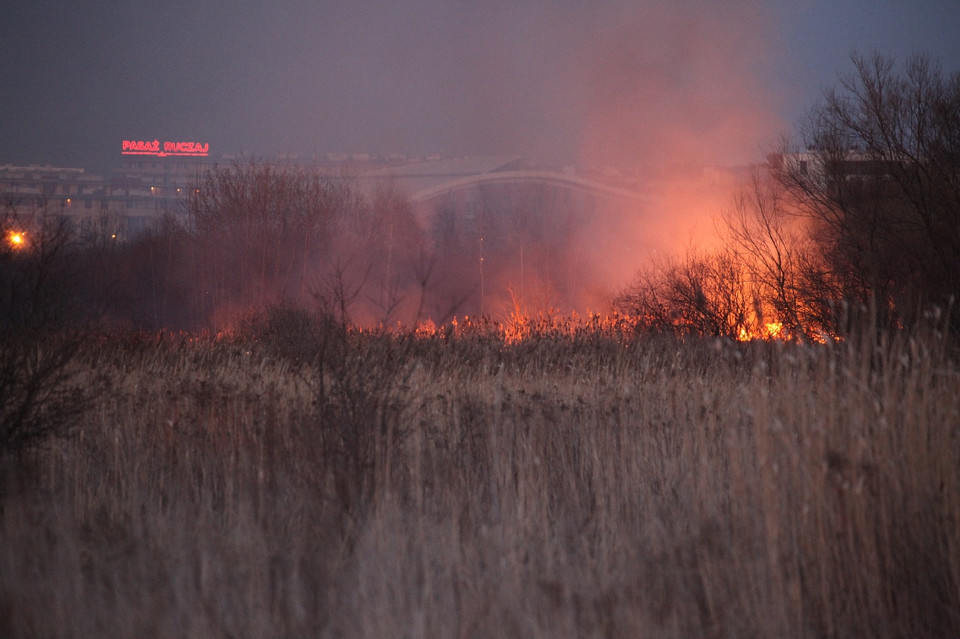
(769, 331)
(774, 329)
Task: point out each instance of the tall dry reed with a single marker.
(302, 480)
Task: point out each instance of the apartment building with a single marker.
(146, 186)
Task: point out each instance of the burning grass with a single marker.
(299, 479)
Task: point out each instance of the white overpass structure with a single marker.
(427, 181)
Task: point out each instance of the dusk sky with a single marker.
(556, 81)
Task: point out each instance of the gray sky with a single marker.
(558, 81)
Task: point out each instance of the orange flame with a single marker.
(774, 329)
(769, 331)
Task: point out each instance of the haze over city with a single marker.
(557, 82)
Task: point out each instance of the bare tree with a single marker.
(791, 285)
(703, 294)
(338, 287)
(860, 210)
(42, 388)
(43, 391)
(396, 237)
(876, 168)
(259, 229)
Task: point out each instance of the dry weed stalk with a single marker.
(460, 484)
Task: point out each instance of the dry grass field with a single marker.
(296, 481)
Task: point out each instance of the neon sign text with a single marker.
(188, 149)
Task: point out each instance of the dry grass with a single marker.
(567, 484)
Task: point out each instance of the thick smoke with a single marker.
(677, 84)
(672, 101)
(666, 99)
(620, 83)
(680, 100)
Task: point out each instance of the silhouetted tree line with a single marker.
(261, 235)
(252, 235)
(860, 209)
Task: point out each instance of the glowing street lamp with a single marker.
(17, 239)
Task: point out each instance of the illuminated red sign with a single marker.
(188, 149)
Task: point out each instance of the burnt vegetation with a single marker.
(266, 440)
